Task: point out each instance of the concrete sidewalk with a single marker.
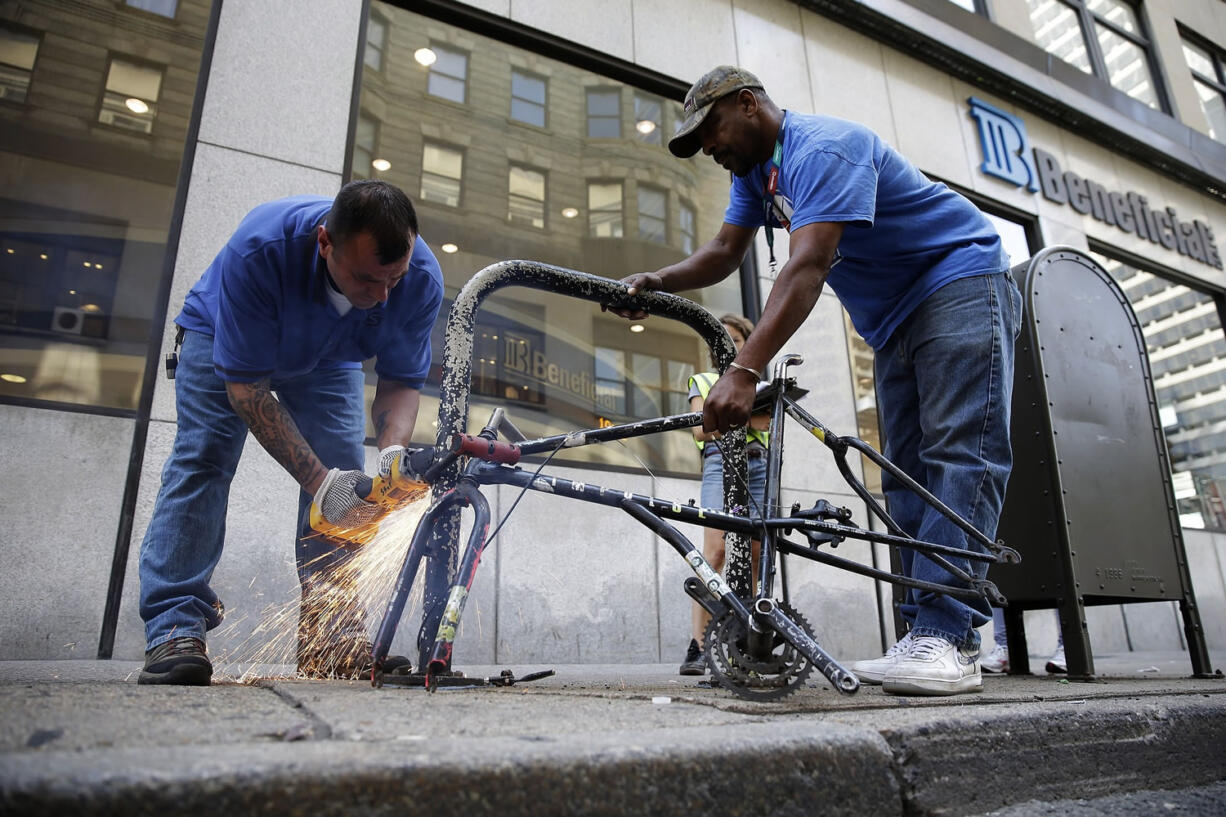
(81, 737)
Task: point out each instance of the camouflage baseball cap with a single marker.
(711, 88)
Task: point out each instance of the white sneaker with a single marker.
(1057, 664)
(934, 666)
(995, 661)
(872, 670)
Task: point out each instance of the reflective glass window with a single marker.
(165, 8)
(526, 196)
(604, 114)
(653, 214)
(1057, 29)
(491, 191)
(449, 74)
(86, 207)
(18, 50)
(376, 42)
(1208, 77)
(442, 172)
(648, 119)
(686, 218)
(364, 142)
(131, 96)
(1101, 37)
(604, 208)
(528, 98)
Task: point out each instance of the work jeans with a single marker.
(944, 388)
(185, 536)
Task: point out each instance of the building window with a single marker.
(977, 6)
(526, 196)
(442, 171)
(653, 214)
(687, 228)
(604, 209)
(131, 96)
(1187, 358)
(525, 182)
(18, 51)
(610, 379)
(648, 119)
(1205, 63)
(448, 75)
(376, 42)
(165, 8)
(604, 119)
(365, 140)
(1101, 37)
(527, 98)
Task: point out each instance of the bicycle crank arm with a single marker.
(768, 612)
(695, 589)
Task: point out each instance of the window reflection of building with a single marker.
(526, 196)
(528, 98)
(545, 161)
(365, 141)
(18, 50)
(604, 206)
(442, 172)
(1209, 78)
(1187, 357)
(449, 74)
(376, 42)
(89, 160)
(1100, 37)
(604, 120)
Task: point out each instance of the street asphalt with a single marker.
(82, 738)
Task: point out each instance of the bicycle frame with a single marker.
(463, 463)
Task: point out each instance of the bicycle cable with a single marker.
(561, 444)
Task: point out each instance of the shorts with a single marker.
(713, 483)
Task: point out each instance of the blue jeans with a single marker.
(944, 387)
(184, 539)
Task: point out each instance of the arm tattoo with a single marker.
(380, 423)
(276, 430)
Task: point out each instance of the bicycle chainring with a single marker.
(755, 677)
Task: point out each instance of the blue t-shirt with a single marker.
(904, 235)
(264, 301)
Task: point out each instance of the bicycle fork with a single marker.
(465, 493)
(765, 615)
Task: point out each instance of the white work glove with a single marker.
(387, 459)
(340, 505)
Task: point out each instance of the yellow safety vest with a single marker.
(704, 381)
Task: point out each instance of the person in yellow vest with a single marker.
(739, 328)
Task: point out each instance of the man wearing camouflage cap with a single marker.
(925, 279)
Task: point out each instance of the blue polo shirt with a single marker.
(264, 301)
(904, 235)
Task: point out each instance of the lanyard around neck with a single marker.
(768, 197)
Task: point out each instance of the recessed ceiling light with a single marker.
(569, 212)
(90, 308)
(425, 56)
(10, 250)
(43, 256)
(449, 248)
(637, 327)
(645, 126)
(86, 264)
(12, 378)
(381, 164)
(136, 105)
(97, 266)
